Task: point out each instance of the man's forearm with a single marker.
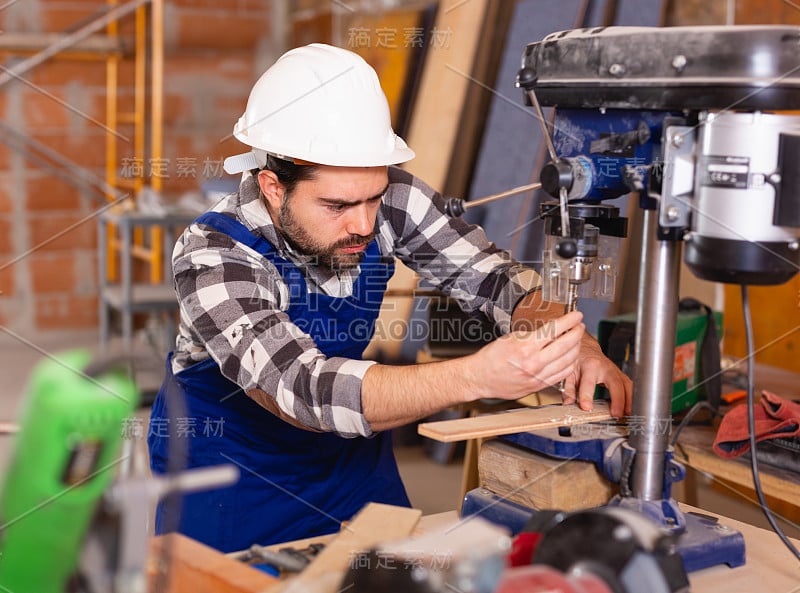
(510, 367)
(393, 396)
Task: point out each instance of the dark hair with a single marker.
(288, 173)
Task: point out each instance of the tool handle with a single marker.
(456, 206)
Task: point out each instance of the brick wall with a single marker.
(48, 262)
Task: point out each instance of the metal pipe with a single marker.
(545, 132)
(657, 312)
(570, 306)
(68, 41)
(76, 175)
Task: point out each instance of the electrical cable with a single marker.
(751, 422)
(625, 489)
(688, 417)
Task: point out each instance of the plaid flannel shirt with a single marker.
(228, 293)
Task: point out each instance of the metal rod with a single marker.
(545, 132)
(81, 175)
(655, 352)
(501, 195)
(572, 298)
(68, 41)
(562, 204)
(570, 306)
(8, 428)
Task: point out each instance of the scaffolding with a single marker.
(99, 38)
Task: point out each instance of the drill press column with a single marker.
(655, 351)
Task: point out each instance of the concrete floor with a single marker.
(433, 487)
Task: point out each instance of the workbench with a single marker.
(694, 448)
(770, 567)
(694, 451)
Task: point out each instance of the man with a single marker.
(280, 286)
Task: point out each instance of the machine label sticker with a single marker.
(725, 171)
(685, 356)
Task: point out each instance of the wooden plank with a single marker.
(374, 524)
(479, 98)
(433, 128)
(197, 568)
(766, 12)
(445, 82)
(512, 421)
(539, 481)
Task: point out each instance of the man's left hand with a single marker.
(594, 368)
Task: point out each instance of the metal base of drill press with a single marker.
(704, 543)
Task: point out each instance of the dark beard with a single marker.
(303, 242)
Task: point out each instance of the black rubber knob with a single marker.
(567, 248)
(454, 207)
(526, 77)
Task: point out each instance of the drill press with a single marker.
(685, 116)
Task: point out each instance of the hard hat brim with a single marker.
(250, 160)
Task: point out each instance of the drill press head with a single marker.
(679, 115)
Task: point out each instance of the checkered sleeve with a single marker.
(454, 256)
(232, 305)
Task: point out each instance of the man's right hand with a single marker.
(511, 367)
(526, 361)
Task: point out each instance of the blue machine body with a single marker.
(586, 442)
(607, 142)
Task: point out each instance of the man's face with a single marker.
(332, 217)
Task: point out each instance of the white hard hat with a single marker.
(320, 104)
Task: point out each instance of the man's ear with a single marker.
(272, 188)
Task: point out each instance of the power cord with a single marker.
(751, 422)
(688, 417)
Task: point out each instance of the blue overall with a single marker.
(294, 483)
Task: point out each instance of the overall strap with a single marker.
(236, 230)
(227, 225)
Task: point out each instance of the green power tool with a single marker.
(66, 455)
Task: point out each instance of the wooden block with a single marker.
(197, 568)
(540, 481)
(512, 421)
(374, 524)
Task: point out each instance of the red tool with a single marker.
(543, 579)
